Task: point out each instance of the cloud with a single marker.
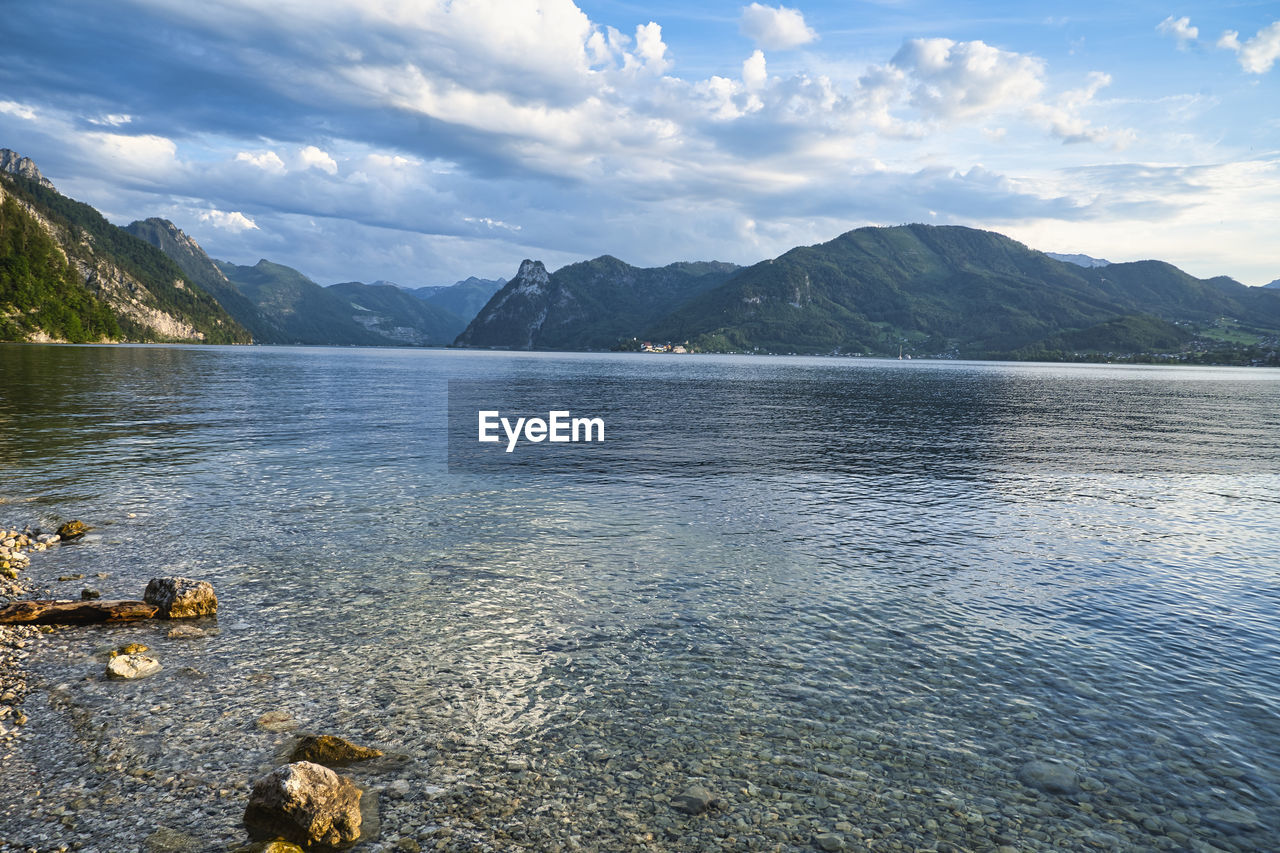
(491, 223)
(228, 220)
(1179, 29)
(112, 120)
(267, 161)
(958, 79)
(775, 28)
(147, 156)
(650, 48)
(1259, 53)
(754, 73)
(1064, 116)
(313, 158)
(429, 128)
(22, 111)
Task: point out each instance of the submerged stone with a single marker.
(268, 847)
(277, 721)
(166, 840)
(1049, 776)
(695, 800)
(1233, 820)
(331, 751)
(828, 841)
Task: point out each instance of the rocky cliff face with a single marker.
(515, 314)
(15, 164)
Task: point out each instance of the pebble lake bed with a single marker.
(1016, 608)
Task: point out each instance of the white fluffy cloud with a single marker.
(650, 49)
(228, 220)
(313, 158)
(1259, 53)
(960, 79)
(754, 72)
(267, 161)
(146, 156)
(1179, 29)
(775, 28)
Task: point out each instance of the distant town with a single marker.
(637, 345)
(645, 346)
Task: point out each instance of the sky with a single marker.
(423, 142)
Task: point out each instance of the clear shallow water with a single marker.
(915, 578)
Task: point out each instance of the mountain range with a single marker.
(919, 290)
(955, 291)
(280, 305)
(941, 291)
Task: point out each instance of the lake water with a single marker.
(870, 595)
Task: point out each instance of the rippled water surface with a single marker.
(914, 579)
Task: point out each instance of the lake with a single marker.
(864, 603)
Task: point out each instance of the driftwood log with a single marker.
(47, 612)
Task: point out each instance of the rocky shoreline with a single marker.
(16, 547)
(302, 801)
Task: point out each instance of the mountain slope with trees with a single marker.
(69, 274)
(945, 290)
(587, 305)
(464, 298)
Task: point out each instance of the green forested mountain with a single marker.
(398, 315)
(950, 291)
(299, 310)
(588, 305)
(69, 274)
(463, 298)
(279, 305)
(1133, 333)
(204, 271)
(40, 294)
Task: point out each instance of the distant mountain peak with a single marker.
(15, 164)
(531, 278)
(1079, 260)
(182, 238)
(1275, 284)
